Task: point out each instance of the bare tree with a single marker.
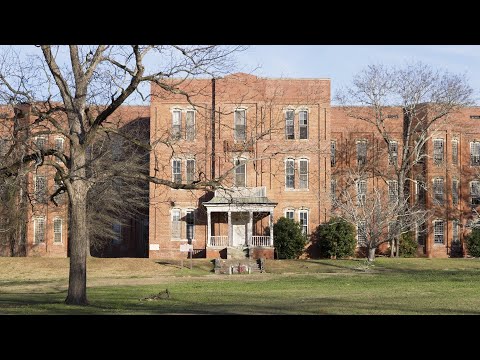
(82, 93)
(428, 97)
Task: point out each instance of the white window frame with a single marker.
(361, 242)
(437, 233)
(359, 142)
(179, 173)
(190, 134)
(290, 211)
(361, 196)
(235, 131)
(287, 168)
(35, 225)
(56, 232)
(177, 128)
(474, 192)
(305, 184)
(392, 153)
(192, 175)
(303, 125)
(455, 152)
(304, 226)
(436, 190)
(455, 194)
(438, 151)
(392, 191)
(333, 189)
(173, 214)
(241, 162)
(290, 124)
(190, 211)
(475, 153)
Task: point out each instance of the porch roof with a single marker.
(249, 200)
(241, 196)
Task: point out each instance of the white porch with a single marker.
(240, 209)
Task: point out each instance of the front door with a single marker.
(239, 224)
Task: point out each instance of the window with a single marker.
(176, 230)
(392, 152)
(455, 192)
(361, 192)
(333, 148)
(41, 188)
(303, 214)
(421, 232)
(361, 233)
(177, 170)
(190, 125)
(361, 152)
(303, 174)
(420, 192)
(455, 152)
(190, 224)
(438, 151)
(176, 124)
(475, 153)
(39, 230)
(57, 230)
(289, 124)
(438, 190)
(290, 174)
(240, 173)
(240, 124)
(475, 193)
(455, 237)
(290, 214)
(190, 170)
(117, 230)
(392, 191)
(303, 119)
(40, 142)
(333, 189)
(438, 233)
(59, 146)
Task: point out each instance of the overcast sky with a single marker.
(341, 62)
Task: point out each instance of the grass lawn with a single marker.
(118, 286)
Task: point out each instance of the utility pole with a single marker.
(212, 175)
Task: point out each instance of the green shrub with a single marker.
(472, 241)
(288, 238)
(408, 245)
(336, 238)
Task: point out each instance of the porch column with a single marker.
(209, 226)
(230, 229)
(250, 228)
(270, 218)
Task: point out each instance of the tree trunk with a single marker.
(397, 250)
(77, 284)
(392, 244)
(371, 254)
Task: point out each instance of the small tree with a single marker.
(408, 245)
(473, 243)
(336, 238)
(289, 239)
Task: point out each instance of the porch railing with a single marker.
(218, 240)
(260, 240)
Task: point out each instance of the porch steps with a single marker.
(235, 266)
(237, 253)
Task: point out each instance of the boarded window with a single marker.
(289, 124)
(304, 221)
(290, 174)
(39, 230)
(303, 120)
(475, 153)
(41, 188)
(438, 231)
(176, 124)
(190, 125)
(240, 173)
(240, 124)
(438, 151)
(177, 171)
(455, 152)
(438, 190)
(361, 152)
(57, 230)
(176, 229)
(392, 152)
(303, 174)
